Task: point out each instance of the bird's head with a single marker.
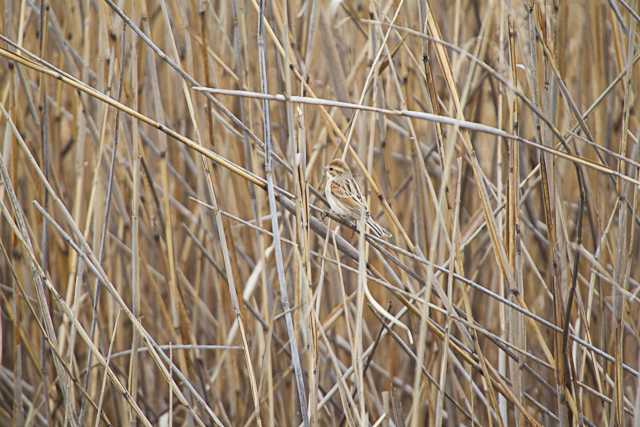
(337, 167)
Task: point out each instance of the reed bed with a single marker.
(168, 257)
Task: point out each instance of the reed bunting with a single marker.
(346, 199)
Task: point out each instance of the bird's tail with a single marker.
(376, 229)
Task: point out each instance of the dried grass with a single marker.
(166, 254)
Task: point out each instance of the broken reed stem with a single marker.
(145, 146)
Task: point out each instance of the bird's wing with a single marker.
(348, 192)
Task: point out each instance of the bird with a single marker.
(345, 198)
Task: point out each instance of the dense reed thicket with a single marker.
(167, 255)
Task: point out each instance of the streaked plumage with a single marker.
(345, 198)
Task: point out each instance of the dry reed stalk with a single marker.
(166, 252)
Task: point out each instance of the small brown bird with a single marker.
(345, 198)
